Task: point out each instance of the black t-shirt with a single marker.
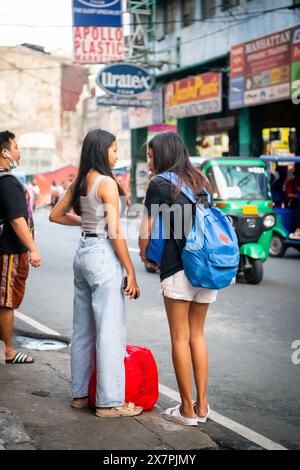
(160, 192)
(12, 206)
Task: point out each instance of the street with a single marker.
(249, 331)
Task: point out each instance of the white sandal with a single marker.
(173, 414)
(202, 419)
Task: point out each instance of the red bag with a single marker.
(141, 378)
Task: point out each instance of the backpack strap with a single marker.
(5, 173)
(185, 189)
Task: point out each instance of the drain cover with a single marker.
(40, 344)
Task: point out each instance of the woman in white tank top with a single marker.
(99, 325)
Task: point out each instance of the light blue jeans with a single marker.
(99, 322)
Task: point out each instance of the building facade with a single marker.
(39, 95)
(196, 47)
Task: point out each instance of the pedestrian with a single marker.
(36, 194)
(30, 191)
(99, 325)
(54, 192)
(186, 306)
(292, 190)
(70, 180)
(17, 247)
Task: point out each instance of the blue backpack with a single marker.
(211, 254)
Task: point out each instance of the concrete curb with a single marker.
(30, 334)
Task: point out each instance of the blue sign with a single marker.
(97, 13)
(236, 92)
(123, 102)
(125, 80)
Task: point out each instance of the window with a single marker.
(208, 8)
(161, 19)
(187, 12)
(170, 16)
(226, 4)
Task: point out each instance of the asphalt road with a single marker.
(249, 330)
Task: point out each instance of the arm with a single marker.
(144, 234)
(108, 192)
(144, 237)
(153, 196)
(21, 229)
(59, 213)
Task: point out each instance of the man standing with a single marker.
(17, 248)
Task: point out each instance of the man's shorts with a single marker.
(13, 274)
(179, 287)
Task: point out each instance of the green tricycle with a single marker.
(241, 189)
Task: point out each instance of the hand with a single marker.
(132, 290)
(35, 258)
(148, 263)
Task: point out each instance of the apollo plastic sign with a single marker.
(125, 80)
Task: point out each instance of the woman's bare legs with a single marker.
(178, 318)
(197, 316)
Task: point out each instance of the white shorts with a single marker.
(179, 287)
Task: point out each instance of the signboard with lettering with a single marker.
(194, 96)
(125, 80)
(97, 31)
(97, 45)
(260, 70)
(97, 13)
(124, 101)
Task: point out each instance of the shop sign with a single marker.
(97, 45)
(263, 70)
(125, 80)
(97, 13)
(194, 96)
(148, 116)
(124, 102)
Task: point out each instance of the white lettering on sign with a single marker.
(110, 80)
(97, 45)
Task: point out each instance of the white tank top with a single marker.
(92, 210)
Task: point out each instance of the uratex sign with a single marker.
(125, 80)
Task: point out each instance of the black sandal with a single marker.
(20, 358)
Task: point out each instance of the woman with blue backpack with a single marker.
(195, 248)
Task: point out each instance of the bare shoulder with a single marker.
(108, 187)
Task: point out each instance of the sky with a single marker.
(48, 23)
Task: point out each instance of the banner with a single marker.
(97, 13)
(194, 96)
(260, 70)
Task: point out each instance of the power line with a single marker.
(21, 69)
(194, 20)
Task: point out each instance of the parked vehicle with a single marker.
(241, 189)
(285, 215)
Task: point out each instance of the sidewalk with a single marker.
(35, 413)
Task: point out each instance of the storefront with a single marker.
(213, 136)
(265, 90)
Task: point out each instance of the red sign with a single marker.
(260, 70)
(97, 45)
(193, 96)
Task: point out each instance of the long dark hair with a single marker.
(94, 156)
(170, 154)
